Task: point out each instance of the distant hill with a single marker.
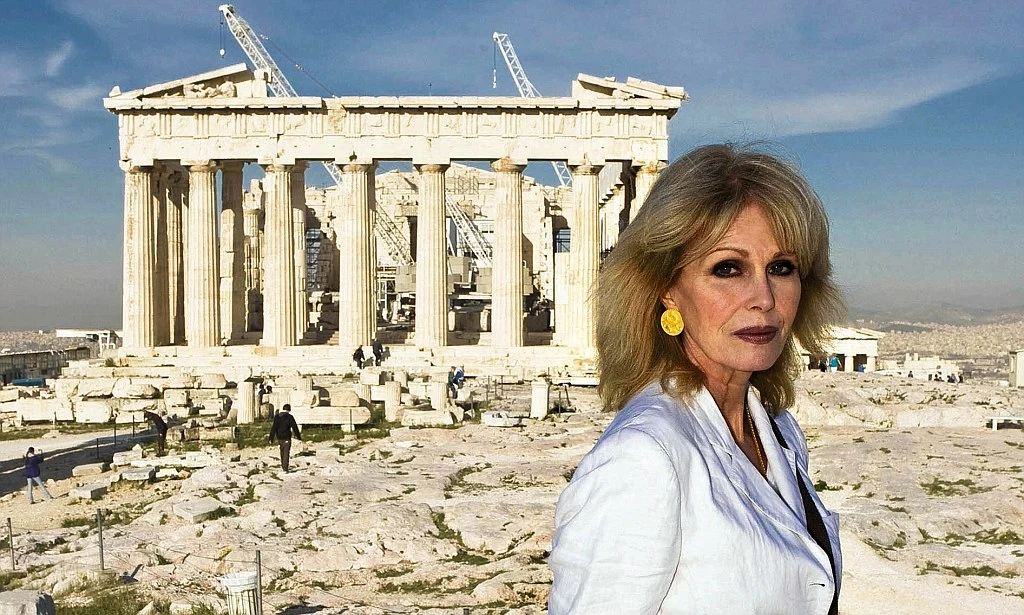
(933, 313)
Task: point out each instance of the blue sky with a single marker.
(906, 116)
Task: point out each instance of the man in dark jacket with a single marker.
(282, 429)
(160, 425)
(32, 472)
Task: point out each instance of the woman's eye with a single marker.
(783, 267)
(726, 269)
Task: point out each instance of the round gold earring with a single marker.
(672, 322)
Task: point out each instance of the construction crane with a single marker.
(385, 228)
(526, 90)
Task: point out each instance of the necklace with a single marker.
(763, 467)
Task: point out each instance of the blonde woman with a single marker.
(696, 499)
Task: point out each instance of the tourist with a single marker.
(282, 429)
(696, 499)
(455, 379)
(160, 425)
(32, 473)
(358, 357)
(378, 352)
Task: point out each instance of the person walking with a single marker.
(282, 429)
(358, 357)
(378, 352)
(32, 472)
(160, 425)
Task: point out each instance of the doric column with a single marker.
(584, 256)
(507, 271)
(161, 309)
(137, 319)
(232, 251)
(431, 259)
(253, 208)
(298, 188)
(353, 202)
(202, 271)
(177, 196)
(645, 176)
(278, 257)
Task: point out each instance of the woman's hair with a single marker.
(688, 211)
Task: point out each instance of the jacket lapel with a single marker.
(741, 474)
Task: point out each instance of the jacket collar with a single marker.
(787, 510)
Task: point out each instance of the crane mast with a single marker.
(527, 90)
(385, 228)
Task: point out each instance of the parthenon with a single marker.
(188, 254)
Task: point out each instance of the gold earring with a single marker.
(672, 322)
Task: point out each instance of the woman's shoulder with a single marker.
(655, 413)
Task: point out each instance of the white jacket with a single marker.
(667, 515)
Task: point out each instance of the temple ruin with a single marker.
(281, 273)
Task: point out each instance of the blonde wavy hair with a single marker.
(688, 211)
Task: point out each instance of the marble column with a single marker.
(431, 259)
(298, 188)
(352, 206)
(279, 255)
(232, 251)
(177, 196)
(584, 257)
(137, 319)
(646, 174)
(202, 297)
(161, 309)
(507, 271)
(253, 208)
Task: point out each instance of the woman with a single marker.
(696, 499)
(32, 473)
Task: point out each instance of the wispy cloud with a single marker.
(57, 58)
(14, 75)
(77, 98)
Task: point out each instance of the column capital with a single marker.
(300, 166)
(653, 168)
(431, 168)
(275, 167)
(129, 167)
(358, 167)
(507, 165)
(229, 166)
(200, 166)
(586, 168)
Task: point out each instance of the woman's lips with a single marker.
(757, 335)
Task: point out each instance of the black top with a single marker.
(32, 465)
(284, 426)
(158, 423)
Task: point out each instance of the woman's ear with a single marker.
(667, 301)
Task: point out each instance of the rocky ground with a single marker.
(459, 520)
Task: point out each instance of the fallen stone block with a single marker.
(217, 433)
(330, 415)
(96, 387)
(65, 388)
(126, 408)
(92, 411)
(346, 398)
(26, 602)
(167, 473)
(125, 458)
(176, 397)
(371, 377)
(124, 388)
(139, 475)
(212, 381)
(88, 492)
(9, 395)
(195, 511)
(29, 409)
(89, 469)
(427, 418)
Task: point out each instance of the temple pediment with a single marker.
(235, 81)
(588, 86)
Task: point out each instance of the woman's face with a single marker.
(738, 302)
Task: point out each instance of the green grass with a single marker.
(107, 597)
(963, 486)
(36, 432)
